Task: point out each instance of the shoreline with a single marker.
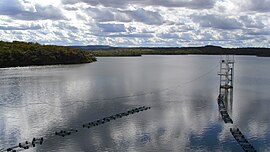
(22, 54)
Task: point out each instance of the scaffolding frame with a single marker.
(226, 71)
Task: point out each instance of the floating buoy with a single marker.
(64, 133)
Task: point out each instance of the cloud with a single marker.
(137, 22)
(137, 35)
(252, 5)
(217, 21)
(137, 15)
(42, 13)
(252, 21)
(258, 5)
(169, 36)
(258, 32)
(112, 27)
(67, 26)
(22, 27)
(100, 14)
(144, 16)
(192, 4)
(10, 7)
(17, 9)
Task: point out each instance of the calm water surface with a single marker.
(182, 91)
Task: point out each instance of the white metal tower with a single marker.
(226, 71)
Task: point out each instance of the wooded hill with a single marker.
(17, 53)
(204, 50)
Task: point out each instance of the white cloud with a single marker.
(20, 10)
(137, 22)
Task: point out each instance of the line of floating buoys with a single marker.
(113, 117)
(226, 118)
(242, 141)
(63, 133)
(238, 136)
(223, 111)
(26, 145)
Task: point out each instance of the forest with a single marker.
(16, 53)
(204, 50)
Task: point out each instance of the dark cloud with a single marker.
(252, 22)
(111, 28)
(192, 4)
(245, 37)
(71, 8)
(144, 16)
(259, 5)
(66, 26)
(10, 7)
(101, 15)
(22, 27)
(42, 13)
(258, 32)
(169, 36)
(137, 15)
(126, 35)
(216, 21)
(16, 10)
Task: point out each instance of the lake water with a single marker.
(181, 91)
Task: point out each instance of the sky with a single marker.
(127, 23)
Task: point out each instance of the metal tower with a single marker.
(226, 71)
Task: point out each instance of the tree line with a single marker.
(17, 53)
(205, 50)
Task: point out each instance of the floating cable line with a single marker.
(67, 132)
(119, 97)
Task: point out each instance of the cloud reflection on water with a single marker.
(183, 118)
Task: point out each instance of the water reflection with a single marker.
(38, 101)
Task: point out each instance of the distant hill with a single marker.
(106, 50)
(203, 50)
(92, 47)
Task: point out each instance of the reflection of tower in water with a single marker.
(228, 100)
(226, 73)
